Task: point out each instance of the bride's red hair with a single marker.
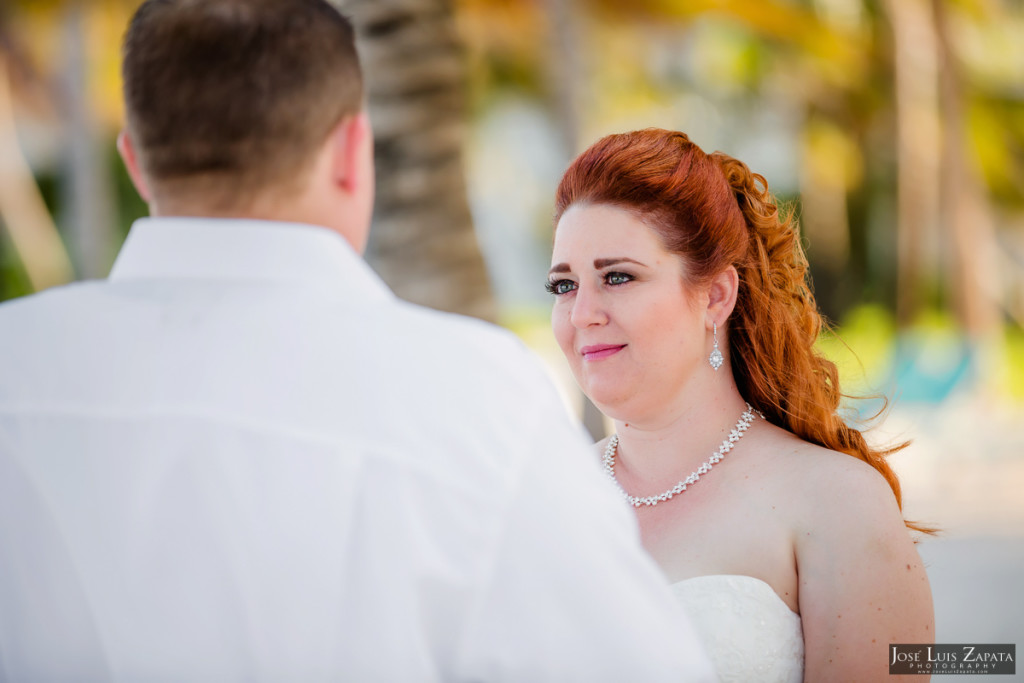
(715, 213)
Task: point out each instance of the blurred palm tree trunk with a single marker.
(965, 207)
(88, 194)
(422, 243)
(22, 209)
(566, 73)
(566, 78)
(824, 212)
(918, 142)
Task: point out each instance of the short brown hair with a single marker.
(226, 98)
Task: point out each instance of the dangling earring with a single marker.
(715, 358)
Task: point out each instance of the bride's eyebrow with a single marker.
(598, 264)
(605, 262)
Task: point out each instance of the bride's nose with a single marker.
(587, 308)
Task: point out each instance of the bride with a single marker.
(682, 306)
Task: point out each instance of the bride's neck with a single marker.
(681, 435)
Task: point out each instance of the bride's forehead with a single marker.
(593, 229)
(604, 214)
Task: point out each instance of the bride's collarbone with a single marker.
(746, 534)
(743, 499)
(739, 519)
(726, 530)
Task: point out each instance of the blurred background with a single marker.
(894, 128)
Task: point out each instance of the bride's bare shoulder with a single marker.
(823, 480)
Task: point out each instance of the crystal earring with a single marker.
(715, 358)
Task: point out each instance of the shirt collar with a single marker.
(242, 249)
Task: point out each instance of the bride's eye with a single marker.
(617, 278)
(560, 287)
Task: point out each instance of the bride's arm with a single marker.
(862, 583)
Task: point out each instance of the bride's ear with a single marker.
(722, 295)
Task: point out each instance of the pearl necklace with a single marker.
(636, 501)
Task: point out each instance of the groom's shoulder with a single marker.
(454, 326)
(472, 339)
(464, 352)
(52, 306)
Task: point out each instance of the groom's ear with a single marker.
(722, 295)
(351, 143)
(126, 148)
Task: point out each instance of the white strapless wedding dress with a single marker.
(749, 633)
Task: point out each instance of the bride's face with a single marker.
(631, 329)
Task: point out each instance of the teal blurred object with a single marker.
(928, 368)
(925, 369)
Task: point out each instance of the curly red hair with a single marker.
(715, 213)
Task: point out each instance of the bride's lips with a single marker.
(599, 351)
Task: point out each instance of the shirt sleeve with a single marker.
(571, 595)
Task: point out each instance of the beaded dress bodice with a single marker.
(749, 633)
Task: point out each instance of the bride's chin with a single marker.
(611, 403)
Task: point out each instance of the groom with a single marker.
(241, 457)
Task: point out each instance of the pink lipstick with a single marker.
(599, 351)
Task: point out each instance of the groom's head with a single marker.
(229, 102)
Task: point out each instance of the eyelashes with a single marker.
(616, 278)
(611, 279)
(559, 287)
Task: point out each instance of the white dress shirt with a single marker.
(242, 458)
